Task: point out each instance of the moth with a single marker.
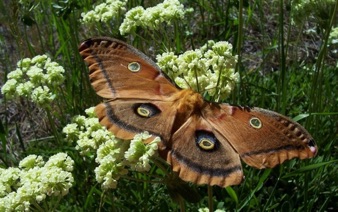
(203, 142)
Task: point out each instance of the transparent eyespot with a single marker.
(206, 140)
(134, 67)
(206, 144)
(146, 110)
(255, 123)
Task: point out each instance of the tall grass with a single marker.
(281, 68)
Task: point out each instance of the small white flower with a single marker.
(39, 198)
(203, 210)
(24, 64)
(39, 59)
(90, 112)
(9, 88)
(80, 120)
(54, 75)
(60, 160)
(138, 155)
(70, 129)
(105, 12)
(17, 74)
(42, 96)
(35, 75)
(31, 161)
(132, 20)
(8, 180)
(24, 89)
(108, 182)
(92, 123)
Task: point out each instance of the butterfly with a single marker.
(203, 141)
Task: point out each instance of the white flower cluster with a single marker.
(114, 156)
(25, 187)
(87, 132)
(105, 12)
(138, 154)
(110, 157)
(210, 69)
(152, 17)
(35, 79)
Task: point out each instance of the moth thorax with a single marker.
(188, 101)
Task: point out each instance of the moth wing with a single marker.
(118, 70)
(219, 166)
(262, 138)
(126, 118)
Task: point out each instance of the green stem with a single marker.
(210, 199)
(182, 205)
(281, 87)
(52, 124)
(239, 42)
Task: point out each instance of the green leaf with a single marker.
(300, 117)
(232, 194)
(308, 168)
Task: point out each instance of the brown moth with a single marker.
(202, 141)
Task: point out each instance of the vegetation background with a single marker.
(287, 63)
